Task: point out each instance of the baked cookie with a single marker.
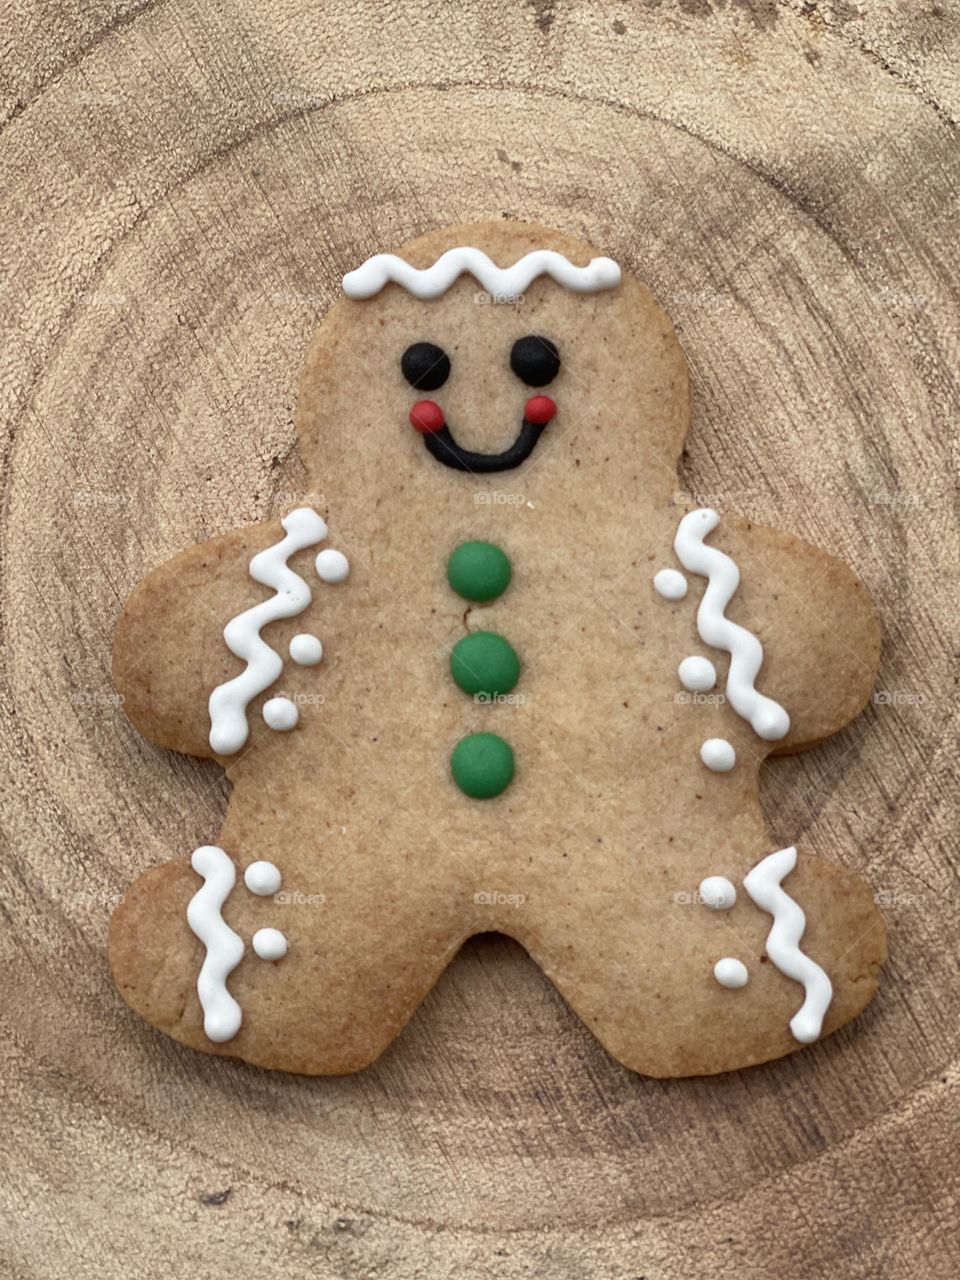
(514, 686)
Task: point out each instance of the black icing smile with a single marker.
(446, 450)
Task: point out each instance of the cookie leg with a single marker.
(323, 992)
(641, 966)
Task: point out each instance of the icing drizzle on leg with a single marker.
(221, 1013)
(768, 719)
(229, 728)
(783, 941)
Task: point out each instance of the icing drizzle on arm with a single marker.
(506, 282)
(764, 886)
(221, 1013)
(768, 718)
(228, 703)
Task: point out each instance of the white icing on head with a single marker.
(269, 944)
(262, 878)
(281, 714)
(670, 583)
(764, 886)
(224, 948)
(731, 973)
(768, 719)
(501, 282)
(306, 650)
(697, 674)
(229, 701)
(332, 566)
(718, 755)
(717, 892)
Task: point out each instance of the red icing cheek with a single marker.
(426, 416)
(539, 410)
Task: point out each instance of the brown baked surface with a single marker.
(611, 822)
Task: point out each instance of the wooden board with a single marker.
(183, 186)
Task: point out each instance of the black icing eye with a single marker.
(535, 360)
(425, 366)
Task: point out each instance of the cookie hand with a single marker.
(230, 627)
(811, 613)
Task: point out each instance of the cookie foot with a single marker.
(286, 979)
(715, 993)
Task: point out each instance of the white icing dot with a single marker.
(269, 944)
(671, 584)
(718, 893)
(280, 714)
(306, 650)
(332, 566)
(728, 972)
(697, 674)
(718, 754)
(262, 878)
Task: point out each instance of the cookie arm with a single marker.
(164, 644)
(817, 624)
(169, 652)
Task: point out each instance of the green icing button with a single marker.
(484, 664)
(478, 571)
(482, 765)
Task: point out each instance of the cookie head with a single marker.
(490, 348)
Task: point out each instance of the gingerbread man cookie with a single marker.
(499, 680)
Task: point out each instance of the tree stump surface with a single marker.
(184, 185)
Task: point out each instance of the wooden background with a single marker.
(183, 185)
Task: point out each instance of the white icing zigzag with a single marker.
(221, 1013)
(768, 718)
(502, 282)
(783, 941)
(229, 701)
